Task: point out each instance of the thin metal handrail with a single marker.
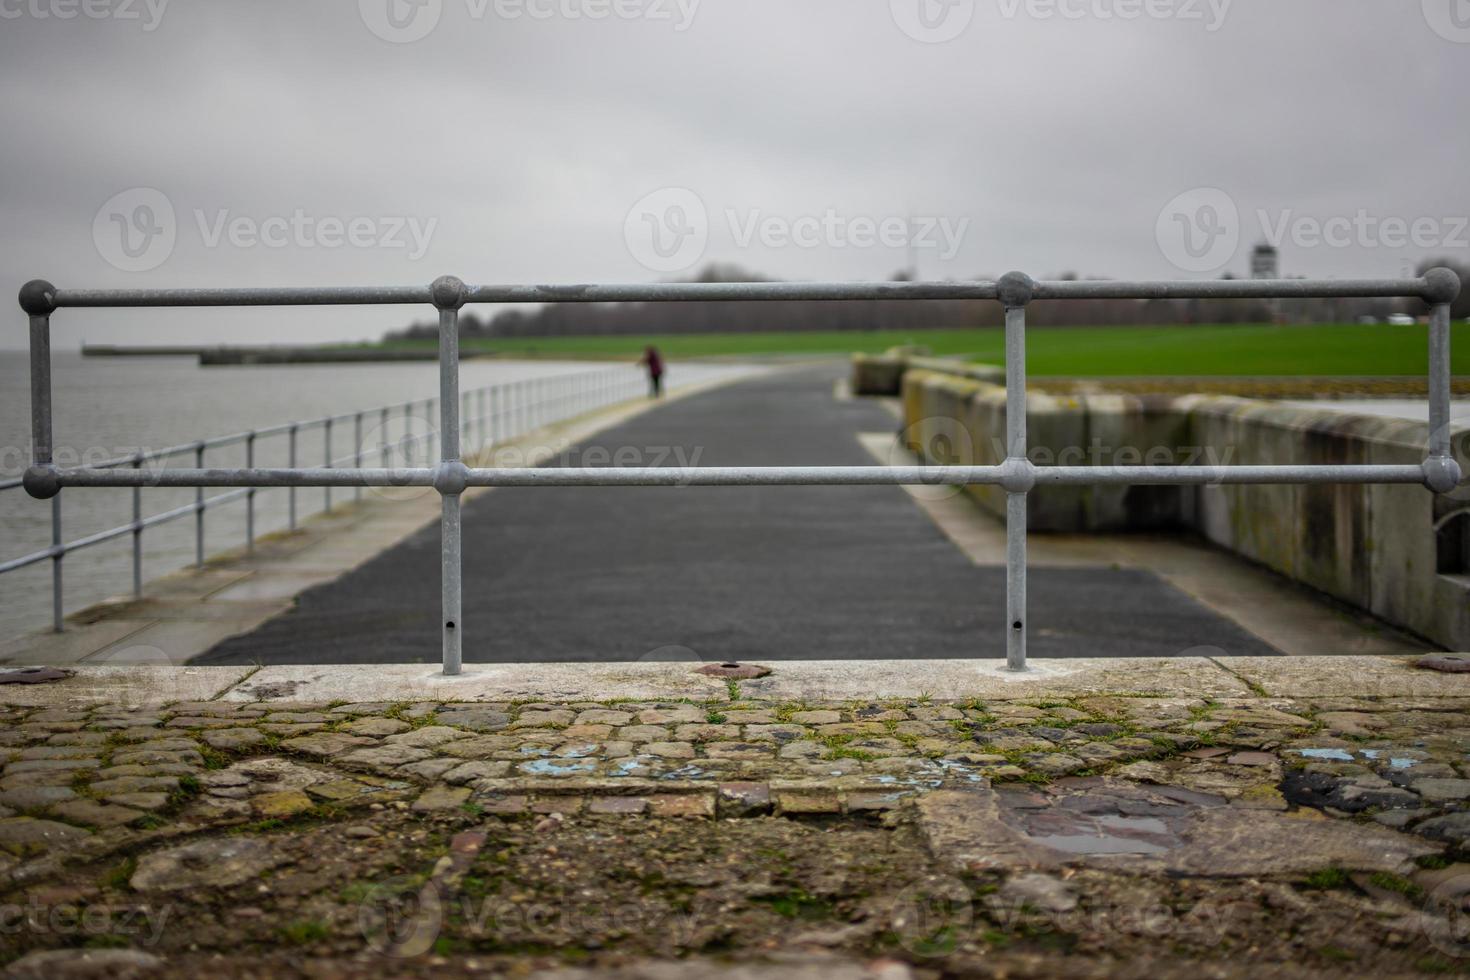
(624, 383)
(1018, 476)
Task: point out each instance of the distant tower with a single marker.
(1265, 263)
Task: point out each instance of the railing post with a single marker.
(449, 295)
(250, 495)
(1441, 471)
(291, 491)
(1015, 291)
(327, 462)
(199, 510)
(138, 534)
(38, 300)
(57, 554)
(357, 452)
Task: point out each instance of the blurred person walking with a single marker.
(655, 366)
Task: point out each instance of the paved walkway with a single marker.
(1064, 833)
(759, 573)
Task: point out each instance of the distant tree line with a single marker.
(633, 319)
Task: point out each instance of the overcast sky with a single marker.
(276, 142)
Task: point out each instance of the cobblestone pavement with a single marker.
(1093, 836)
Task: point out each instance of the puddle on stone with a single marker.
(1347, 755)
(555, 767)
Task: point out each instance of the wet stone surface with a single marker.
(879, 838)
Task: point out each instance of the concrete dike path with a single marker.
(758, 573)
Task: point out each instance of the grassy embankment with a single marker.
(1252, 349)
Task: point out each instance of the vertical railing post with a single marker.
(483, 419)
(449, 294)
(38, 300)
(291, 491)
(327, 463)
(357, 452)
(199, 510)
(1015, 291)
(1441, 470)
(250, 495)
(138, 533)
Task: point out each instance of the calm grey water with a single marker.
(108, 407)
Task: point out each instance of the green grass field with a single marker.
(1251, 349)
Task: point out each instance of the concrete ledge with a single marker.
(833, 680)
(1363, 677)
(480, 682)
(127, 686)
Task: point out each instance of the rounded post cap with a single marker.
(451, 477)
(41, 482)
(38, 297)
(448, 292)
(1442, 473)
(1015, 289)
(1441, 285)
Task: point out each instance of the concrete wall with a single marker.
(1371, 546)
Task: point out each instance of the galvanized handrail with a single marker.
(1439, 471)
(591, 389)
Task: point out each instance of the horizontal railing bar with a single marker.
(750, 476)
(217, 442)
(1231, 289)
(1233, 475)
(101, 537)
(267, 296)
(754, 291)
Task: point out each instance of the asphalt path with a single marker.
(723, 573)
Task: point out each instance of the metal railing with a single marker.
(1439, 472)
(488, 415)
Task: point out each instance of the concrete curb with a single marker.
(939, 680)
